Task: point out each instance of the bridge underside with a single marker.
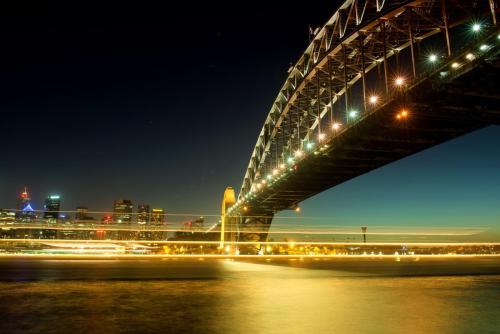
(437, 113)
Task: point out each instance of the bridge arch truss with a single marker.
(367, 54)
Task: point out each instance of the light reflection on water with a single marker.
(234, 297)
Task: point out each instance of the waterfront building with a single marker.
(82, 214)
(52, 207)
(157, 216)
(143, 214)
(7, 215)
(122, 211)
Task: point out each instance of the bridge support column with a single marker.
(254, 229)
(227, 226)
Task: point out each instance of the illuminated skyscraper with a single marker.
(143, 214)
(26, 212)
(52, 207)
(23, 200)
(157, 216)
(122, 211)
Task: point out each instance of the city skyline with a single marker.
(174, 155)
(478, 194)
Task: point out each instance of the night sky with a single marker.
(163, 106)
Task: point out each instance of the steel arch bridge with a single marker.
(381, 80)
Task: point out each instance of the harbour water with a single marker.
(227, 296)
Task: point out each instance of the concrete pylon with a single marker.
(227, 223)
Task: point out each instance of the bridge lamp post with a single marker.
(353, 114)
(363, 230)
(336, 126)
(476, 27)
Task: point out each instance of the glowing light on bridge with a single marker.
(297, 209)
(399, 81)
(353, 114)
(299, 153)
(476, 27)
(290, 160)
(470, 57)
(403, 114)
(484, 47)
(321, 136)
(282, 166)
(336, 126)
(455, 65)
(433, 58)
(309, 145)
(373, 99)
(275, 171)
